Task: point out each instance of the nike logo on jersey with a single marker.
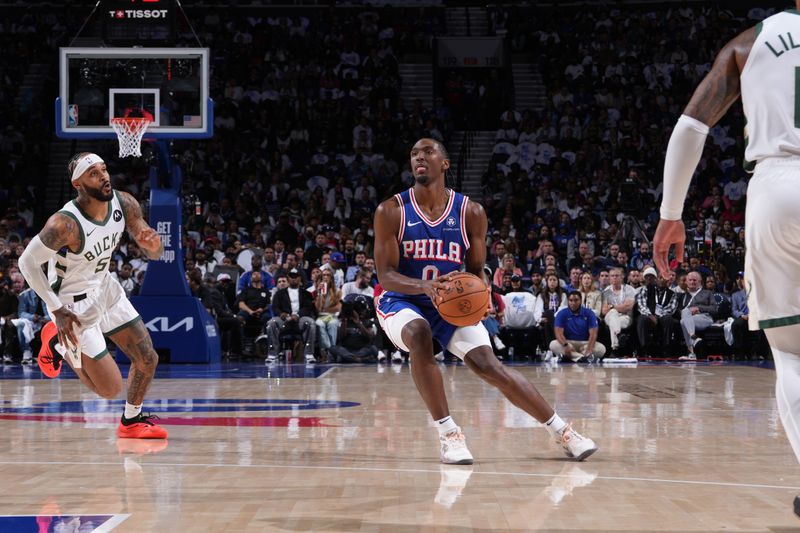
(412, 224)
(89, 233)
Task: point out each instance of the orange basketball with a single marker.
(465, 303)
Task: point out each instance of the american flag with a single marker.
(192, 121)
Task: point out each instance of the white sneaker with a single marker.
(397, 357)
(454, 480)
(454, 448)
(688, 357)
(548, 355)
(27, 357)
(272, 359)
(576, 445)
(498, 343)
(381, 356)
(439, 356)
(310, 359)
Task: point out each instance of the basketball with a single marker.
(465, 302)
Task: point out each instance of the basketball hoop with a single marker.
(130, 131)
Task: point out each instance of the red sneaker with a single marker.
(141, 427)
(49, 359)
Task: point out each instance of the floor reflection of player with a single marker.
(453, 482)
(421, 236)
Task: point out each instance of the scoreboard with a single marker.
(138, 22)
(471, 52)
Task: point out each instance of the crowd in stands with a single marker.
(594, 151)
(311, 132)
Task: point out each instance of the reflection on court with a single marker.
(694, 448)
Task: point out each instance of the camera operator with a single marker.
(356, 335)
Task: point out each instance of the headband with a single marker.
(84, 163)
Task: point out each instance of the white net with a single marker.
(130, 131)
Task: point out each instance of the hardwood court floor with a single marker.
(692, 448)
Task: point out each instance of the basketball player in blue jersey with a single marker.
(421, 236)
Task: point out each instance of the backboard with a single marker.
(167, 85)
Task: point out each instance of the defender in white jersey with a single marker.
(86, 303)
(762, 65)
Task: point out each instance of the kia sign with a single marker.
(160, 324)
(181, 327)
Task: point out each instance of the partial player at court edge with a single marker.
(760, 66)
(86, 303)
(423, 235)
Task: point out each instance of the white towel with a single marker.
(727, 329)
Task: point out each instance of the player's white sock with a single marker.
(132, 411)
(784, 342)
(446, 425)
(555, 425)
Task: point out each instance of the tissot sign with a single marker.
(137, 9)
(138, 13)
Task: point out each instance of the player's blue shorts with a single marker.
(391, 303)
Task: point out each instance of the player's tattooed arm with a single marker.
(145, 236)
(721, 86)
(60, 231)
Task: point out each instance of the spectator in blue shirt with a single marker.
(255, 264)
(576, 332)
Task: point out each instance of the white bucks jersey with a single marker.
(72, 273)
(770, 82)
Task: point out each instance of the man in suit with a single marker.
(292, 307)
(696, 309)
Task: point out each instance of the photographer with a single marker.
(356, 335)
(630, 193)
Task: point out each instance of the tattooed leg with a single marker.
(136, 343)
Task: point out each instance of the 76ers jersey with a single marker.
(431, 248)
(428, 249)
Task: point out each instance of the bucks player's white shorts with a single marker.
(103, 310)
(772, 236)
